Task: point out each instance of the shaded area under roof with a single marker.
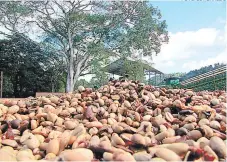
(117, 67)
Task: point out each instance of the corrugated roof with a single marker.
(117, 67)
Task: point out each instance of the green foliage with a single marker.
(78, 40)
(202, 70)
(82, 82)
(12, 14)
(27, 68)
(98, 80)
(115, 25)
(211, 84)
(135, 70)
(15, 7)
(96, 19)
(7, 86)
(145, 30)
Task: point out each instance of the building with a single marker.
(120, 68)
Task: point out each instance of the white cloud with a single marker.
(192, 49)
(220, 58)
(170, 63)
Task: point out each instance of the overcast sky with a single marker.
(198, 35)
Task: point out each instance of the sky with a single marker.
(198, 35)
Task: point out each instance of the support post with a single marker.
(155, 78)
(149, 73)
(1, 83)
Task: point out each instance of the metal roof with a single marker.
(117, 67)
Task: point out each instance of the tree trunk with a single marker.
(70, 72)
(72, 76)
(73, 72)
(69, 80)
(69, 83)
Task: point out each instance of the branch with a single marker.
(62, 9)
(85, 64)
(74, 8)
(4, 34)
(11, 30)
(86, 74)
(79, 65)
(52, 23)
(48, 17)
(74, 5)
(84, 6)
(45, 28)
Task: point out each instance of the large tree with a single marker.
(84, 32)
(15, 29)
(87, 30)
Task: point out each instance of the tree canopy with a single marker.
(26, 67)
(84, 34)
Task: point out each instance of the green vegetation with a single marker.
(202, 70)
(212, 83)
(28, 68)
(83, 35)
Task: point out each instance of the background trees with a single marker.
(27, 67)
(85, 34)
(202, 70)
